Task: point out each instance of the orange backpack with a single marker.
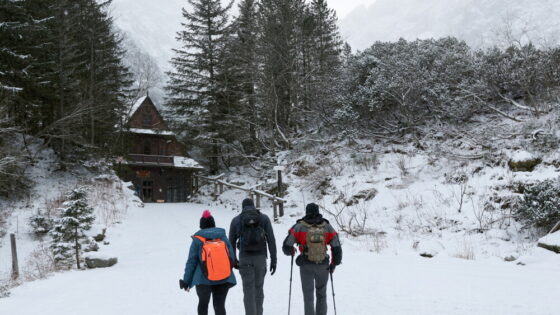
(216, 263)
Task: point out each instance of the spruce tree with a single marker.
(194, 89)
(326, 59)
(69, 230)
(104, 77)
(17, 78)
(279, 46)
(246, 65)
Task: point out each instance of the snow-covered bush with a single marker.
(68, 232)
(4, 290)
(106, 196)
(540, 205)
(40, 263)
(40, 224)
(350, 219)
(367, 161)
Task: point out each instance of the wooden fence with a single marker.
(252, 192)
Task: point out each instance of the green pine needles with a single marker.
(69, 230)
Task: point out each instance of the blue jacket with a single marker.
(193, 269)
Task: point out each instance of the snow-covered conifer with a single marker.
(69, 230)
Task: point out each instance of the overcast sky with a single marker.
(153, 24)
(344, 7)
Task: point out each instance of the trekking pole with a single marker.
(333, 300)
(290, 294)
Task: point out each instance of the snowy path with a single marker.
(152, 247)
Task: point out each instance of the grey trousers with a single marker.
(253, 270)
(314, 280)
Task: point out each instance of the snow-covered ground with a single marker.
(152, 246)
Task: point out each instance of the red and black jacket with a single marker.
(297, 235)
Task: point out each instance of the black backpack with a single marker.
(253, 236)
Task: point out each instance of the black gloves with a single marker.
(288, 250)
(235, 264)
(332, 267)
(183, 285)
(272, 268)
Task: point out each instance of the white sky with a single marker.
(343, 7)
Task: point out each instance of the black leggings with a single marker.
(219, 294)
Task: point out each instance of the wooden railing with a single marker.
(252, 192)
(144, 159)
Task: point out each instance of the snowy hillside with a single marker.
(479, 22)
(49, 185)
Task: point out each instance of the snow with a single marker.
(521, 156)
(152, 248)
(151, 131)
(95, 255)
(478, 22)
(551, 239)
(136, 105)
(185, 162)
(106, 195)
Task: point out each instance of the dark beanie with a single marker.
(207, 220)
(247, 204)
(311, 209)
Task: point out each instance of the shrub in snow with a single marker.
(41, 224)
(4, 290)
(39, 264)
(68, 232)
(540, 205)
(523, 161)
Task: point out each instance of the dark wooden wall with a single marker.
(155, 145)
(168, 184)
(147, 117)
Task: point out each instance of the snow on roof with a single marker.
(151, 131)
(136, 105)
(185, 162)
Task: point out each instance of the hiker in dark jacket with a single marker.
(312, 234)
(194, 274)
(251, 232)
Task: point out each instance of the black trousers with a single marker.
(218, 292)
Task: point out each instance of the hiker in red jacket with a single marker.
(312, 234)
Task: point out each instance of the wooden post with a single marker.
(258, 201)
(215, 191)
(221, 188)
(279, 194)
(281, 208)
(196, 188)
(15, 267)
(275, 207)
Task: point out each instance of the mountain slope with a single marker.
(479, 22)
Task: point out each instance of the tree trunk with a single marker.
(77, 249)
